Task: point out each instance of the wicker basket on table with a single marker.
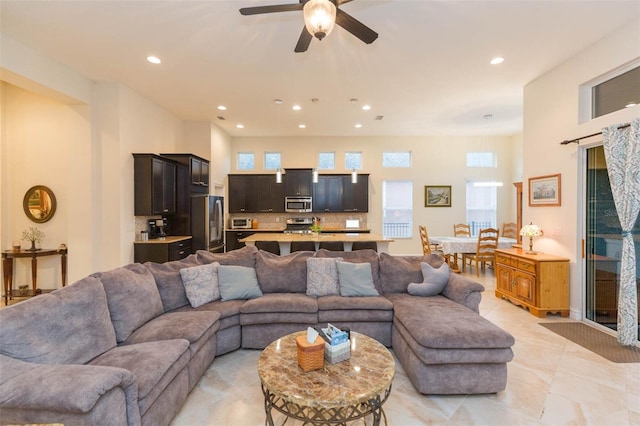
(310, 355)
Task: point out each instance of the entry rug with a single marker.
(596, 341)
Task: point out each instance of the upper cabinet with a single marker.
(297, 182)
(327, 194)
(198, 170)
(154, 185)
(255, 194)
(355, 196)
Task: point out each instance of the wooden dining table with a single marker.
(455, 246)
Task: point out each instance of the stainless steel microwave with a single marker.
(240, 223)
(297, 204)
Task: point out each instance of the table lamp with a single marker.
(531, 231)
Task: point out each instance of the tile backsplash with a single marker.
(327, 220)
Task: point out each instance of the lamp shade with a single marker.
(531, 230)
(319, 17)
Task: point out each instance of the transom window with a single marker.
(353, 160)
(246, 161)
(396, 159)
(326, 160)
(271, 160)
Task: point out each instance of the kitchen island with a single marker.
(284, 240)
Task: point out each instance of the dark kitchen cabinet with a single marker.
(297, 182)
(242, 193)
(154, 185)
(255, 194)
(269, 194)
(327, 194)
(355, 196)
(198, 171)
(161, 251)
(232, 239)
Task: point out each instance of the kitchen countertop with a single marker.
(324, 230)
(321, 237)
(166, 240)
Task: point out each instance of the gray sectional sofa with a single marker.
(125, 347)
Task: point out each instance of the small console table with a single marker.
(7, 268)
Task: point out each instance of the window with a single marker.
(397, 208)
(616, 93)
(396, 159)
(245, 161)
(353, 160)
(481, 159)
(481, 206)
(271, 160)
(327, 160)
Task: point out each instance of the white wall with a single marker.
(437, 160)
(551, 116)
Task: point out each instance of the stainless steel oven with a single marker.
(297, 204)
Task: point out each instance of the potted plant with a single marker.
(32, 234)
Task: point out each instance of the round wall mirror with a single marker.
(39, 204)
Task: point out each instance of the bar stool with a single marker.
(365, 245)
(270, 246)
(332, 245)
(302, 246)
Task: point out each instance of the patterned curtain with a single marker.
(622, 152)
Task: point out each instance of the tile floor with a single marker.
(551, 381)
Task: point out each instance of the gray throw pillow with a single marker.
(238, 282)
(201, 283)
(355, 279)
(322, 276)
(434, 280)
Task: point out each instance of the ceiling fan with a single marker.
(319, 18)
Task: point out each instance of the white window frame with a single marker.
(239, 154)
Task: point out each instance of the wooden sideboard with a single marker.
(538, 282)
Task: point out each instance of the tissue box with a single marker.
(336, 353)
(310, 355)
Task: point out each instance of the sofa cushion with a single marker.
(245, 256)
(397, 272)
(360, 309)
(282, 274)
(238, 282)
(358, 256)
(229, 311)
(355, 279)
(322, 276)
(450, 325)
(155, 365)
(196, 327)
(132, 296)
(77, 315)
(201, 283)
(280, 308)
(434, 280)
(169, 282)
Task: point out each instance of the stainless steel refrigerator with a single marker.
(207, 223)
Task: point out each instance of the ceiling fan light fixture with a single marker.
(319, 17)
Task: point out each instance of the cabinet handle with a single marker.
(181, 252)
(166, 210)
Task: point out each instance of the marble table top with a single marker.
(367, 374)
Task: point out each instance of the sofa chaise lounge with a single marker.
(125, 347)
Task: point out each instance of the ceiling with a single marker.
(428, 73)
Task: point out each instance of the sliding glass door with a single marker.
(603, 243)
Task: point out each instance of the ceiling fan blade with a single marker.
(303, 41)
(355, 27)
(271, 9)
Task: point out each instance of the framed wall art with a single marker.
(437, 196)
(544, 191)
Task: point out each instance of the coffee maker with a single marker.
(158, 228)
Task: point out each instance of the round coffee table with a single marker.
(335, 394)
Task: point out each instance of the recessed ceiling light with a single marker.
(302, 126)
(497, 60)
(154, 59)
(353, 100)
(357, 126)
(240, 126)
(366, 107)
(277, 101)
(297, 107)
(630, 105)
(222, 107)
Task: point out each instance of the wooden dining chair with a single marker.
(428, 248)
(460, 230)
(509, 230)
(485, 250)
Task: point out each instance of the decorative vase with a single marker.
(33, 245)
